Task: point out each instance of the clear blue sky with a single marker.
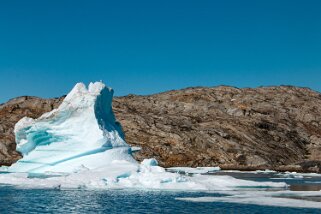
(144, 47)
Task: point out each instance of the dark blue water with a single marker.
(14, 200)
(17, 200)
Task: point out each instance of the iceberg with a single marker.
(81, 145)
(81, 133)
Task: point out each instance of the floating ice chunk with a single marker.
(189, 170)
(210, 169)
(289, 175)
(267, 171)
(136, 149)
(280, 199)
(150, 162)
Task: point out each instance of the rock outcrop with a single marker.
(263, 128)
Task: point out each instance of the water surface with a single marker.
(17, 200)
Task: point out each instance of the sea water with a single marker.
(19, 200)
(14, 200)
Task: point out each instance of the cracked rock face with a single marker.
(264, 128)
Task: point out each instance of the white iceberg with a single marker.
(82, 132)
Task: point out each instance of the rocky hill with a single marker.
(247, 129)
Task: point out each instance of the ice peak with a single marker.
(83, 126)
(94, 89)
(97, 87)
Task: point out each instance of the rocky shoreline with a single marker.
(276, 128)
